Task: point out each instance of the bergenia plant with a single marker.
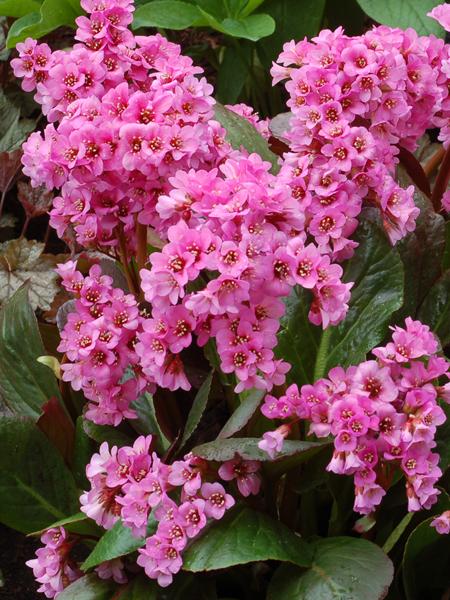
(251, 363)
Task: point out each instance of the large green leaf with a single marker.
(25, 384)
(13, 8)
(36, 488)
(435, 309)
(377, 271)
(294, 19)
(425, 563)
(197, 410)
(242, 536)
(240, 133)
(404, 14)
(52, 14)
(89, 587)
(116, 542)
(343, 568)
(168, 14)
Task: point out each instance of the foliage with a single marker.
(185, 400)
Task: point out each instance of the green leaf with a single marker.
(253, 27)
(242, 414)
(36, 488)
(233, 72)
(13, 129)
(421, 252)
(147, 423)
(404, 14)
(82, 453)
(13, 8)
(299, 339)
(243, 536)
(89, 587)
(291, 24)
(197, 410)
(106, 433)
(52, 14)
(140, 588)
(377, 271)
(343, 568)
(249, 6)
(425, 563)
(25, 384)
(397, 533)
(241, 133)
(168, 14)
(435, 309)
(77, 523)
(116, 542)
(247, 448)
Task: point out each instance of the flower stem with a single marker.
(441, 183)
(432, 164)
(322, 355)
(141, 235)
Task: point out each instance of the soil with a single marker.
(17, 578)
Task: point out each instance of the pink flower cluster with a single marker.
(236, 247)
(131, 111)
(132, 483)
(382, 414)
(55, 569)
(441, 14)
(355, 101)
(98, 341)
(52, 567)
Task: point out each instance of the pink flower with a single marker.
(272, 441)
(441, 14)
(53, 568)
(245, 472)
(217, 500)
(442, 523)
